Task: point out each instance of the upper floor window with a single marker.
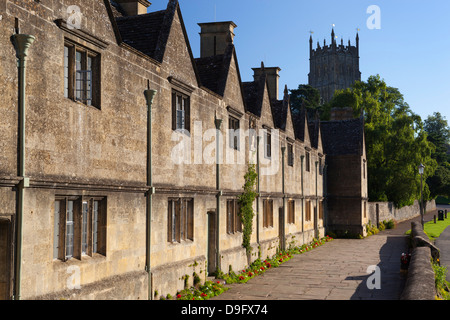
(268, 144)
(308, 162)
(181, 111)
(290, 154)
(81, 74)
(234, 136)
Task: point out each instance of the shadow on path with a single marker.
(386, 282)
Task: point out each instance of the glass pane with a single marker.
(66, 72)
(89, 81)
(56, 231)
(95, 228)
(69, 230)
(84, 233)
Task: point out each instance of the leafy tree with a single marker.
(396, 141)
(306, 97)
(439, 134)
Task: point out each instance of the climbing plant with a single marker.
(246, 200)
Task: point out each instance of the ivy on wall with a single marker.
(246, 201)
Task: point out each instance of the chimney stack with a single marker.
(134, 7)
(272, 79)
(215, 37)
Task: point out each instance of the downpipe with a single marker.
(149, 96)
(22, 42)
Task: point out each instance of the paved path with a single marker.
(443, 243)
(335, 271)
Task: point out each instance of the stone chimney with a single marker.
(272, 78)
(134, 7)
(338, 114)
(215, 37)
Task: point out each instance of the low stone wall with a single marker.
(380, 211)
(420, 284)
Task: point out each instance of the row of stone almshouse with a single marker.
(111, 194)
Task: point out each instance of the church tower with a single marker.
(333, 67)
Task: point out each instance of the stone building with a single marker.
(346, 166)
(333, 67)
(108, 193)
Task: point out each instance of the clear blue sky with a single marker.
(411, 51)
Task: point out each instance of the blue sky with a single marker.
(411, 50)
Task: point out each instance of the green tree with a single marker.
(396, 142)
(306, 97)
(439, 134)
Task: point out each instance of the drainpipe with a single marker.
(316, 213)
(283, 241)
(258, 190)
(22, 42)
(218, 123)
(303, 200)
(149, 96)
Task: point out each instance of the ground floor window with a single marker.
(308, 210)
(234, 222)
(79, 227)
(180, 220)
(267, 213)
(291, 212)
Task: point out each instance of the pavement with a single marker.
(443, 243)
(344, 269)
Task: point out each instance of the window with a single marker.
(268, 144)
(233, 126)
(79, 227)
(321, 210)
(180, 111)
(267, 213)
(321, 167)
(81, 75)
(180, 220)
(290, 155)
(308, 210)
(234, 222)
(308, 162)
(291, 211)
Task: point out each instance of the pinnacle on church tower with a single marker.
(333, 67)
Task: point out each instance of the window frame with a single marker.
(180, 222)
(185, 108)
(234, 221)
(234, 132)
(89, 97)
(267, 213)
(268, 143)
(290, 154)
(291, 211)
(82, 243)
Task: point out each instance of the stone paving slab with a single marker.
(335, 271)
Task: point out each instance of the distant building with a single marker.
(333, 67)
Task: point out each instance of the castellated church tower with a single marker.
(333, 67)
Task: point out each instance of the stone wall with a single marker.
(420, 284)
(380, 211)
